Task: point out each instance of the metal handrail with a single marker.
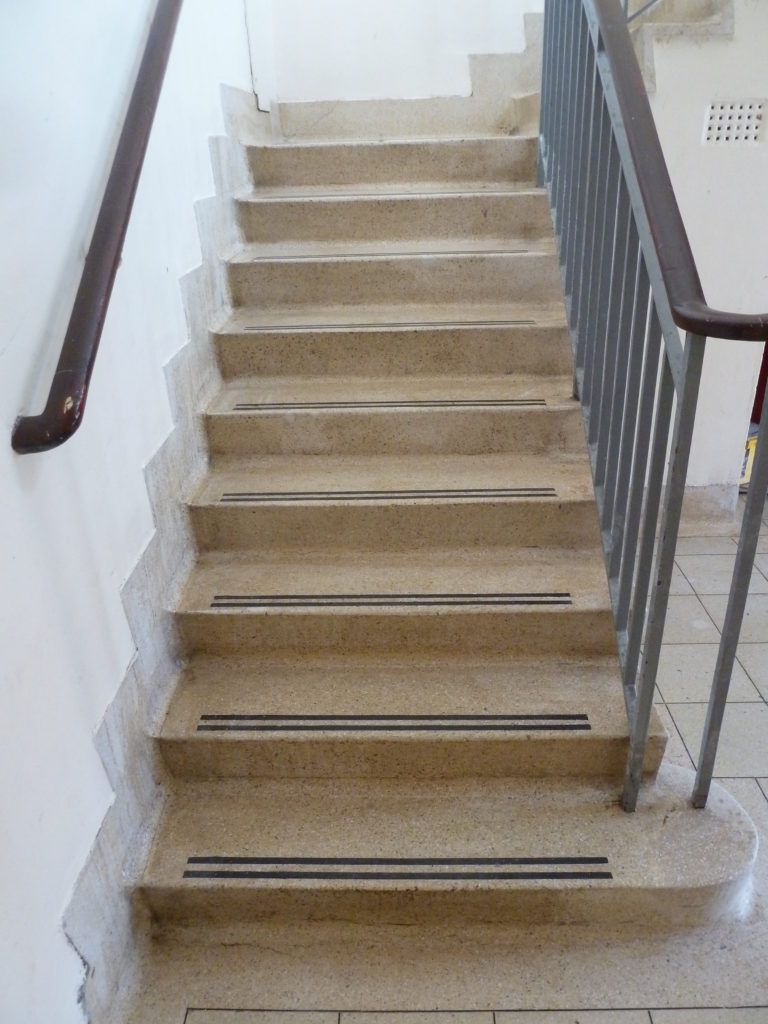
(64, 408)
(640, 11)
(630, 283)
(678, 266)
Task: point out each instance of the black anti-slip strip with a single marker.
(485, 403)
(563, 727)
(402, 861)
(416, 869)
(394, 723)
(395, 718)
(387, 600)
(245, 497)
(411, 876)
(395, 325)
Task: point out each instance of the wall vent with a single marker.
(731, 121)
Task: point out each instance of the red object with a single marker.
(762, 380)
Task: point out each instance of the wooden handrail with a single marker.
(65, 406)
(681, 278)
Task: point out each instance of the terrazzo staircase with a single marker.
(401, 701)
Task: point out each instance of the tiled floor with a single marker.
(700, 593)
(745, 1015)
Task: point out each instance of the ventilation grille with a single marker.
(733, 121)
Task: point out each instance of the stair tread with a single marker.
(577, 572)
(554, 391)
(569, 477)
(386, 190)
(387, 686)
(340, 819)
(301, 251)
(386, 316)
(412, 141)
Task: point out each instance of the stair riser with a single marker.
(484, 160)
(362, 757)
(457, 431)
(492, 108)
(518, 216)
(407, 352)
(408, 280)
(401, 527)
(536, 631)
(541, 903)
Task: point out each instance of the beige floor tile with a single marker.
(261, 1017)
(763, 784)
(689, 623)
(762, 544)
(686, 671)
(705, 546)
(743, 749)
(749, 1015)
(426, 1017)
(712, 574)
(754, 629)
(573, 1017)
(761, 561)
(675, 752)
(679, 584)
(754, 659)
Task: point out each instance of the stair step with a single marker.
(455, 851)
(395, 502)
(399, 718)
(455, 601)
(416, 341)
(355, 416)
(406, 278)
(469, 217)
(491, 160)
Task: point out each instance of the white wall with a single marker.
(74, 521)
(724, 200)
(377, 49)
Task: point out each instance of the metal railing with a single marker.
(65, 406)
(631, 282)
(640, 10)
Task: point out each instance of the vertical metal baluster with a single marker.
(546, 72)
(553, 102)
(563, 170)
(734, 615)
(580, 129)
(636, 491)
(685, 416)
(600, 213)
(590, 114)
(631, 296)
(593, 388)
(650, 518)
(570, 142)
(584, 252)
(616, 295)
(557, 151)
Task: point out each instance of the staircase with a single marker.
(401, 703)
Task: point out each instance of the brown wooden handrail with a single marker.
(65, 406)
(681, 278)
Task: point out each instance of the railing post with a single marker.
(734, 615)
(687, 398)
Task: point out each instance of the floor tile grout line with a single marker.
(682, 740)
(762, 697)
